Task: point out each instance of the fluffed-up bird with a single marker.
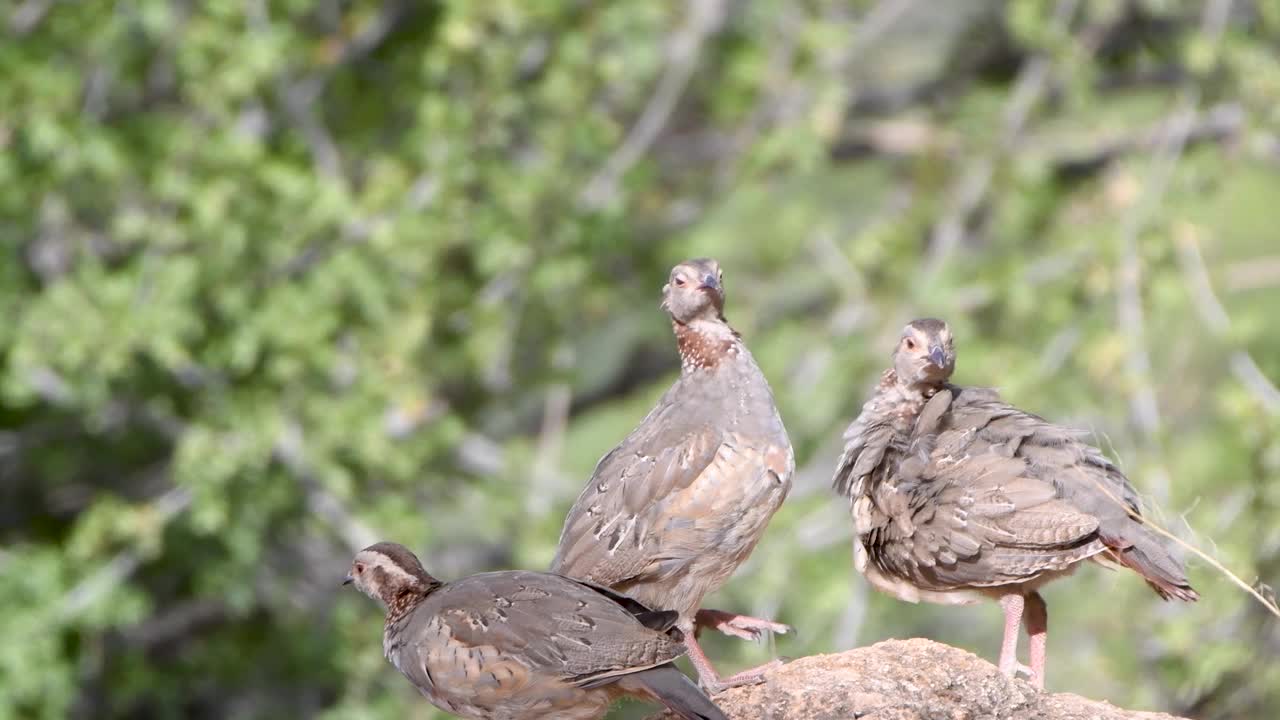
(522, 645)
(671, 512)
(958, 496)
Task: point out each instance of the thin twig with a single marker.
(683, 51)
(777, 85)
(1253, 274)
(1214, 314)
(371, 36)
(971, 189)
(1219, 123)
(290, 449)
(784, 97)
(298, 98)
(119, 568)
(28, 15)
(356, 232)
(1129, 311)
(874, 24)
(546, 458)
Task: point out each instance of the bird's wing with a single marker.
(1081, 477)
(674, 487)
(867, 440)
(514, 630)
(959, 512)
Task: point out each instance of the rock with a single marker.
(905, 680)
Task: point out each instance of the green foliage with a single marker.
(284, 276)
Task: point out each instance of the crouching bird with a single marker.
(522, 645)
(958, 496)
(671, 512)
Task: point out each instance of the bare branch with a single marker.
(971, 189)
(28, 15)
(784, 96)
(1253, 274)
(356, 232)
(298, 98)
(704, 18)
(119, 568)
(1214, 314)
(290, 449)
(299, 95)
(1219, 123)
(1129, 312)
(546, 459)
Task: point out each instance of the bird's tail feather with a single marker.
(1145, 554)
(674, 689)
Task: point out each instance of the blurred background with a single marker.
(285, 277)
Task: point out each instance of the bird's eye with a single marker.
(911, 344)
(720, 275)
(359, 568)
(679, 281)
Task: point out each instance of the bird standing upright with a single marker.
(957, 495)
(524, 645)
(672, 511)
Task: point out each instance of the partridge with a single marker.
(672, 511)
(521, 645)
(958, 496)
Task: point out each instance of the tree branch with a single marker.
(1214, 314)
(683, 51)
(971, 189)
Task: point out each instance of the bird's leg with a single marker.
(707, 675)
(1012, 604)
(1037, 620)
(739, 626)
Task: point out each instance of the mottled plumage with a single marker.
(957, 495)
(522, 645)
(672, 511)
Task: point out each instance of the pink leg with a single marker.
(1012, 604)
(710, 679)
(1037, 619)
(739, 626)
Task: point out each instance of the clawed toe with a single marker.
(1023, 672)
(742, 633)
(739, 626)
(715, 688)
(757, 627)
(752, 631)
(754, 676)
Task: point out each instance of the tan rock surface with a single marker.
(906, 680)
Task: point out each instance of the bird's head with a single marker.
(925, 354)
(694, 291)
(386, 571)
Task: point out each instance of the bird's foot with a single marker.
(1015, 669)
(1029, 674)
(739, 626)
(754, 676)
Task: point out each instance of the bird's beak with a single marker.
(938, 356)
(710, 282)
(348, 580)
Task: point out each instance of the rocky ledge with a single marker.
(906, 680)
